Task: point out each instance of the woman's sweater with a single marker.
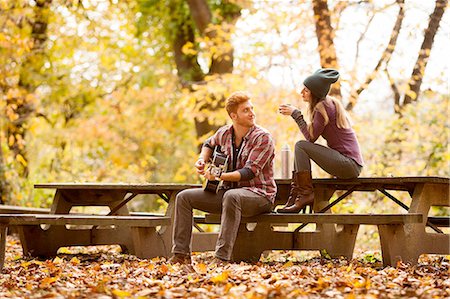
(340, 139)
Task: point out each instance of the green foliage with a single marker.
(324, 254)
(161, 20)
(414, 144)
(226, 10)
(371, 258)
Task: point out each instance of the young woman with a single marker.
(342, 158)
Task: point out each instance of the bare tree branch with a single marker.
(201, 14)
(384, 58)
(417, 75)
(395, 91)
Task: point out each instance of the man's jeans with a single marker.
(232, 204)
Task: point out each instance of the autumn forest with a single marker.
(125, 91)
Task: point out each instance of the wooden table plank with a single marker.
(141, 188)
(374, 219)
(62, 219)
(385, 180)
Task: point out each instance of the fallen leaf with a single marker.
(74, 261)
(221, 278)
(288, 264)
(121, 294)
(201, 268)
(45, 283)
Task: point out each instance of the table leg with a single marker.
(407, 242)
(126, 234)
(337, 240)
(394, 248)
(3, 233)
(165, 233)
(148, 243)
(250, 244)
(60, 205)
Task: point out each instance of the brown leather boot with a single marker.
(293, 193)
(305, 195)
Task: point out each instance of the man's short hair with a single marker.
(234, 100)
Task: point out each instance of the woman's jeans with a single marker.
(328, 159)
(232, 204)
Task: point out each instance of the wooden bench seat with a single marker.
(337, 241)
(10, 209)
(374, 219)
(65, 219)
(139, 231)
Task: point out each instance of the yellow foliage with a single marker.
(120, 293)
(411, 94)
(11, 140)
(21, 160)
(202, 268)
(288, 264)
(74, 261)
(47, 281)
(188, 49)
(221, 278)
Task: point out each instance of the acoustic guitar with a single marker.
(218, 165)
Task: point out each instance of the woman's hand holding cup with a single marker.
(286, 109)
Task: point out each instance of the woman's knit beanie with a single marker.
(319, 83)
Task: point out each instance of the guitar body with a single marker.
(213, 186)
(218, 165)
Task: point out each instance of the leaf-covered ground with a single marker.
(106, 273)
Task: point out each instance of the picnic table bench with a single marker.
(142, 230)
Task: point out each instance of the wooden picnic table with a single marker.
(139, 241)
(402, 236)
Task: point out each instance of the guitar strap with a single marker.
(236, 153)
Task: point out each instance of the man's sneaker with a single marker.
(179, 258)
(219, 261)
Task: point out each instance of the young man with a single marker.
(248, 187)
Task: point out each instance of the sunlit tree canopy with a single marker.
(126, 91)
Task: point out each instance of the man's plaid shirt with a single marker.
(256, 153)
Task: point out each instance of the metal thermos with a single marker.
(285, 161)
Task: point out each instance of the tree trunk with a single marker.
(221, 63)
(21, 105)
(4, 188)
(187, 66)
(200, 13)
(325, 37)
(416, 78)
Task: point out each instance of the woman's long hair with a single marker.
(343, 120)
